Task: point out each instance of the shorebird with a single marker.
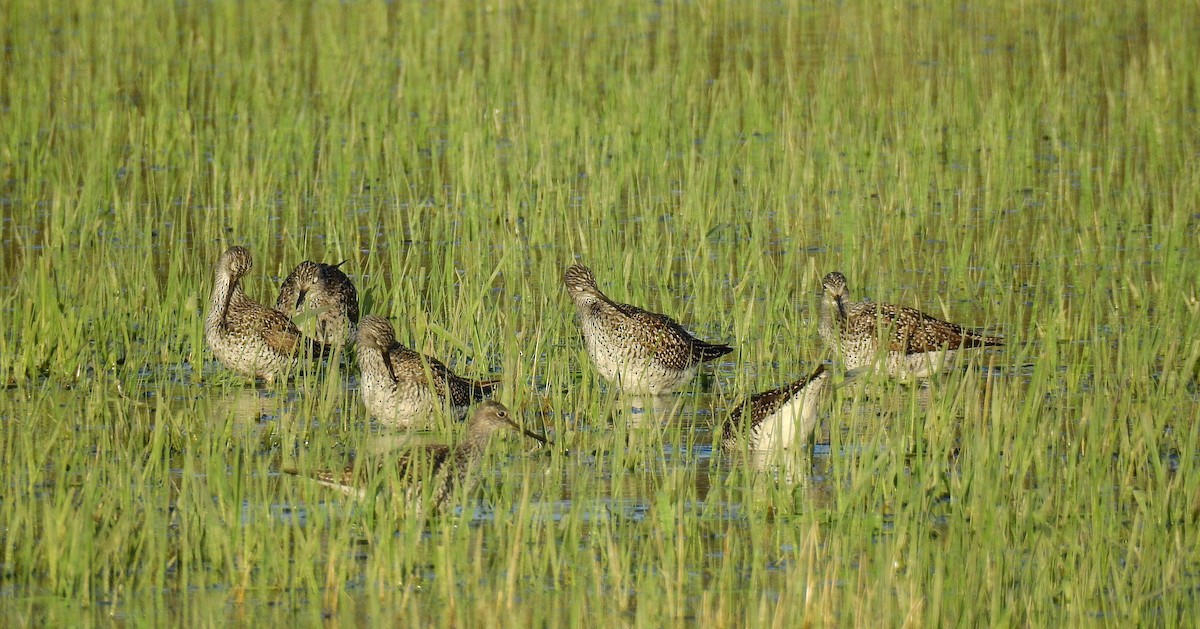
(916, 344)
(638, 351)
(778, 419)
(245, 336)
(403, 388)
(325, 291)
(448, 468)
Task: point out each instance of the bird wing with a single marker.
(666, 339)
(278, 331)
(339, 291)
(344, 476)
(911, 331)
(422, 462)
(447, 384)
(761, 405)
(411, 467)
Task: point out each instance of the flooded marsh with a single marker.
(1024, 170)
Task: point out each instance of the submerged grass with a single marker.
(1025, 167)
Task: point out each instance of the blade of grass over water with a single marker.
(1026, 169)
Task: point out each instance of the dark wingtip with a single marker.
(319, 349)
(733, 425)
(982, 341)
(483, 388)
(735, 416)
(711, 350)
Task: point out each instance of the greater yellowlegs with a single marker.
(914, 344)
(245, 336)
(403, 388)
(323, 291)
(778, 419)
(447, 467)
(638, 351)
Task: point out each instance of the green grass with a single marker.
(1025, 167)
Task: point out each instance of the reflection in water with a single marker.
(651, 410)
(249, 409)
(628, 475)
(803, 475)
(788, 466)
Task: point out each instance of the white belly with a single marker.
(788, 427)
(400, 405)
(899, 365)
(632, 371)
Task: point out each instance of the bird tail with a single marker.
(708, 351)
(317, 349)
(975, 339)
(483, 388)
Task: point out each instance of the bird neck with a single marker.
(226, 292)
(585, 300)
(468, 453)
(812, 395)
(833, 309)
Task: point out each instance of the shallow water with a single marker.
(638, 470)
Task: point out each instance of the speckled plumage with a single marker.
(403, 388)
(636, 350)
(324, 290)
(449, 468)
(778, 419)
(245, 336)
(918, 345)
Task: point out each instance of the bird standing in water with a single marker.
(325, 291)
(910, 343)
(245, 336)
(403, 388)
(445, 468)
(636, 350)
(778, 419)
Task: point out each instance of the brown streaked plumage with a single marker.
(448, 468)
(404, 388)
(324, 291)
(245, 336)
(917, 345)
(777, 419)
(636, 350)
